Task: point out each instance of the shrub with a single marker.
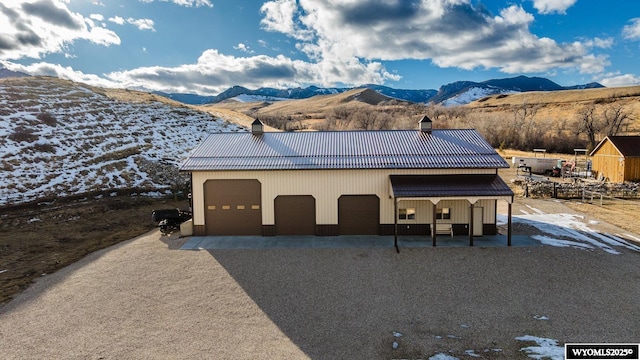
(21, 134)
(44, 148)
(47, 118)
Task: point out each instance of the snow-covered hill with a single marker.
(473, 94)
(59, 138)
(256, 98)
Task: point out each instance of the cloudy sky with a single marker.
(207, 46)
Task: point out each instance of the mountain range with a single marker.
(6, 73)
(456, 93)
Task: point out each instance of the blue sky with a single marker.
(207, 46)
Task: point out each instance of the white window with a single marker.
(443, 214)
(407, 214)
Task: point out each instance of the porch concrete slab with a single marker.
(347, 242)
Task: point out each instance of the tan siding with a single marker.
(632, 169)
(608, 162)
(325, 185)
(423, 211)
(459, 211)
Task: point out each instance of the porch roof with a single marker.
(447, 186)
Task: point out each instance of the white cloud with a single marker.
(117, 19)
(553, 6)
(142, 24)
(632, 31)
(47, 69)
(244, 48)
(97, 17)
(279, 16)
(215, 72)
(450, 33)
(599, 43)
(187, 3)
(33, 29)
(345, 43)
(620, 80)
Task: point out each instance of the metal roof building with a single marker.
(384, 149)
(346, 182)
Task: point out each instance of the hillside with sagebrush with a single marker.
(60, 138)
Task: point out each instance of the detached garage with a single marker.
(347, 183)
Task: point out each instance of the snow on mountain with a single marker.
(6, 73)
(473, 94)
(256, 98)
(59, 138)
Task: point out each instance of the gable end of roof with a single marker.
(627, 146)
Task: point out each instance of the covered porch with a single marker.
(436, 189)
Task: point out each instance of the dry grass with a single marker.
(312, 112)
(39, 240)
(624, 214)
(233, 116)
(557, 97)
(562, 106)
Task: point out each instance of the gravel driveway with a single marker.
(142, 299)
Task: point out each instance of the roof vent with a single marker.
(426, 125)
(257, 127)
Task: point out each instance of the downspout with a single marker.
(509, 224)
(395, 224)
(433, 226)
(471, 224)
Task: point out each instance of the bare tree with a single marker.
(614, 117)
(589, 123)
(364, 119)
(611, 120)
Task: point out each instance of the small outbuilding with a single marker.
(387, 182)
(617, 159)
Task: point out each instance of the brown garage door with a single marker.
(358, 214)
(233, 207)
(295, 215)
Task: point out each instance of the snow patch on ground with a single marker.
(472, 353)
(569, 230)
(442, 356)
(546, 349)
(560, 243)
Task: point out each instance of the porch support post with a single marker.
(433, 225)
(509, 226)
(395, 224)
(470, 224)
